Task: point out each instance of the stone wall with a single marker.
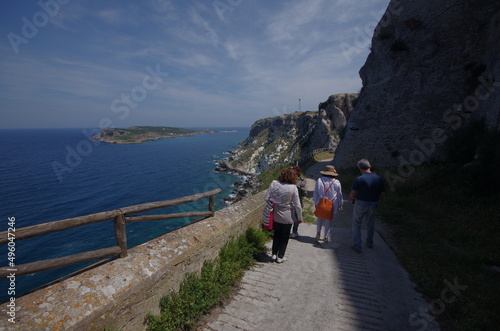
(120, 293)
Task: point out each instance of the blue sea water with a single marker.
(53, 174)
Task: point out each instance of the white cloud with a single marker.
(261, 56)
(288, 23)
(232, 50)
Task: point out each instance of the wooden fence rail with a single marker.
(120, 219)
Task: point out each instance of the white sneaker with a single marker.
(273, 257)
(281, 260)
(294, 235)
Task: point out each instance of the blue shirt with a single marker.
(369, 186)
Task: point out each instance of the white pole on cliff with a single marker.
(299, 105)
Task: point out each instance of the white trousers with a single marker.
(319, 225)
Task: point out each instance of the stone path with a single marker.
(326, 286)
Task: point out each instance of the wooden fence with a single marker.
(120, 217)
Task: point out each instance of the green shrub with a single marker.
(199, 293)
(267, 176)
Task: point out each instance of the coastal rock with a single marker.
(433, 66)
(290, 138)
(223, 166)
(242, 189)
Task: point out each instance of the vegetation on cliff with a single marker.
(290, 138)
(444, 229)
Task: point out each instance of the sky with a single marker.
(214, 63)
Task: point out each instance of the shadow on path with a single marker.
(326, 286)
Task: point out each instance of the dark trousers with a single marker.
(280, 239)
(295, 228)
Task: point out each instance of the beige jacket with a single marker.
(286, 202)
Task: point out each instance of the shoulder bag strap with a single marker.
(328, 186)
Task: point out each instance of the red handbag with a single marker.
(268, 216)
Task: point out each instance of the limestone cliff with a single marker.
(290, 137)
(434, 64)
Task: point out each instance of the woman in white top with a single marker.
(328, 187)
(285, 195)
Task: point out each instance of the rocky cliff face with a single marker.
(434, 65)
(287, 138)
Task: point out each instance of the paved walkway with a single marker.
(326, 286)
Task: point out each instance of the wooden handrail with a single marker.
(144, 218)
(44, 228)
(167, 203)
(29, 268)
(120, 220)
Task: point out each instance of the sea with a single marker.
(54, 174)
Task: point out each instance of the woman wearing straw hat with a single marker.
(327, 187)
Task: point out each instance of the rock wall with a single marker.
(287, 138)
(117, 295)
(434, 65)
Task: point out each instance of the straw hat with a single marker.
(329, 171)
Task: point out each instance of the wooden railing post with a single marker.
(211, 204)
(120, 218)
(121, 234)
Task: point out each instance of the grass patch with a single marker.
(444, 230)
(308, 211)
(199, 293)
(266, 177)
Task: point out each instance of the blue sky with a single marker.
(92, 63)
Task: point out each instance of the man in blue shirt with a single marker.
(365, 192)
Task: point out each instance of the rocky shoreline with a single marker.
(242, 188)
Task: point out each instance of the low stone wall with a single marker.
(120, 293)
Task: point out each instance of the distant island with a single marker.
(140, 134)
